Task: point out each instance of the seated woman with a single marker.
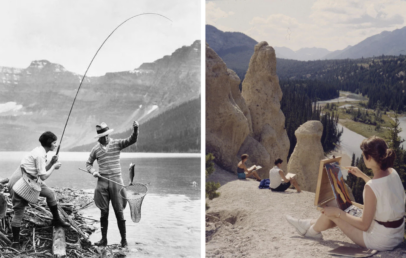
(279, 183)
(382, 225)
(34, 167)
(242, 170)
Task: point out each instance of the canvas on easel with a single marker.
(331, 189)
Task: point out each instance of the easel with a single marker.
(324, 193)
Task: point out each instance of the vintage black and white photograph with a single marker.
(100, 120)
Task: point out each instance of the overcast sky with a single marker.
(295, 24)
(70, 32)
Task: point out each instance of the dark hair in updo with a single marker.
(244, 156)
(278, 161)
(46, 139)
(378, 149)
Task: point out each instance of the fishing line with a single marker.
(83, 77)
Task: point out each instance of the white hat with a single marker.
(103, 130)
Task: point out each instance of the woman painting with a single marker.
(34, 167)
(244, 172)
(382, 224)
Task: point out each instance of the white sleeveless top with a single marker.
(390, 206)
(275, 177)
(390, 197)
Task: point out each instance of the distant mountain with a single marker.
(175, 130)
(236, 49)
(303, 54)
(392, 43)
(38, 98)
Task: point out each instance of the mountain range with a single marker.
(236, 48)
(39, 97)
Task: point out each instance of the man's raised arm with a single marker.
(130, 140)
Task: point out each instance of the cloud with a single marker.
(214, 13)
(357, 14)
(278, 29)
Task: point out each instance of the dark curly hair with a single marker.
(46, 139)
(377, 148)
(244, 156)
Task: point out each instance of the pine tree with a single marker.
(211, 187)
(394, 142)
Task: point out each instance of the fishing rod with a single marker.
(84, 75)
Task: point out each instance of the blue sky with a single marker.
(296, 24)
(70, 32)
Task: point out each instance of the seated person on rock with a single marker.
(279, 183)
(244, 172)
(382, 224)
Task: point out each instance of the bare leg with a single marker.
(295, 184)
(355, 234)
(254, 174)
(323, 223)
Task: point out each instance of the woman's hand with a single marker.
(331, 212)
(54, 159)
(57, 165)
(355, 171)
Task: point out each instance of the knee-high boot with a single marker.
(104, 222)
(121, 227)
(57, 221)
(16, 238)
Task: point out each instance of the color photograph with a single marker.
(290, 87)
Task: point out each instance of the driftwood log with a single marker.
(59, 242)
(72, 223)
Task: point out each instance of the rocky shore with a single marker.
(249, 222)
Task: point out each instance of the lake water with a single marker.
(171, 211)
(350, 142)
(402, 134)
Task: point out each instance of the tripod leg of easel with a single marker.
(59, 242)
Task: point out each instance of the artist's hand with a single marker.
(135, 125)
(331, 211)
(57, 165)
(54, 159)
(355, 171)
(96, 174)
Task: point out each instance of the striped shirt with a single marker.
(108, 157)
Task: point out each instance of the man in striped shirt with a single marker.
(107, 154)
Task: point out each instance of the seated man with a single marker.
(279, 183)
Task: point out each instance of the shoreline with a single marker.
(79, 156)
(168, 227)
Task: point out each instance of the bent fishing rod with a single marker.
(84, 75)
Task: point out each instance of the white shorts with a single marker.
(382, 238)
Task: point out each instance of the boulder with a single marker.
(305, 159)
(226, 125)
(239, 100)
(258, 155)
(262, 94)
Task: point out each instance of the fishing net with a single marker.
(134, 194)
